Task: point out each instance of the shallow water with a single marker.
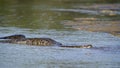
(37, 18)
(104, 54)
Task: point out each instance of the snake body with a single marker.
(21, 39)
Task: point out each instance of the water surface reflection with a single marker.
(36, 19)
(105, 54)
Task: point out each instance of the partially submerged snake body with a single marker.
(21, 39)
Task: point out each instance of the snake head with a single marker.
(88, 46)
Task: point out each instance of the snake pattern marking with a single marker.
(21, 39)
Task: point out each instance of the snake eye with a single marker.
(60, 44)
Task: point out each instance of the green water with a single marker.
(37, 14)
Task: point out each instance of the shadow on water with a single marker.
(38, 19)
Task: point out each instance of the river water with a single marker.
(104, 54)
(36, 19)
